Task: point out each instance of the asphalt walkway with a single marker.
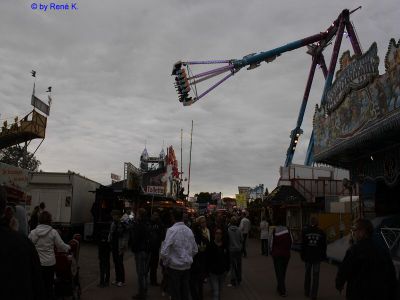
(258, 281)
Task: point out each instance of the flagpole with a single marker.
(190, 158)
(181, 153)
(33, 72)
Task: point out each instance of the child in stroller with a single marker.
(67, 284)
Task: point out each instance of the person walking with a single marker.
(140, 246)
(45, 239)
(281, 243)
(217, 258)
(118, 238)
(367, 268)
(313, 251)
(34, 220)
(235, 251)
(177, 253)
(264, 232)
(20, 270)
(245, 229)
(202, 221)
(104, 252)
(198, 268)
(156, 236)
(20, 215)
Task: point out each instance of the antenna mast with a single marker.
(190, 158)
(181, 153)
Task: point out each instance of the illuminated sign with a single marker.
(157, 190)
(355, 73)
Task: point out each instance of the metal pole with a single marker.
(307, 92)
(208, 62)
(37, 147)
(328, 82)
(335, 54)
(317, 59)
(361, 206)
(290, 151)
(262, 56)
(190, 158)
(353, 38)
(218, 70)
(322, 64)
(351, 204)
(181, 153)
(214, 86)
(25, 154)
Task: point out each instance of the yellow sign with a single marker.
(241, 200)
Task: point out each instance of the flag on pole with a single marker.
(40, 105)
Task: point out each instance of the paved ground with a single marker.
(258, 279)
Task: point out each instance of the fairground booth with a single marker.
(357, 127)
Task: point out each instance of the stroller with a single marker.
(66, 282)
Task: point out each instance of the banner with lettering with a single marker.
(13, 176)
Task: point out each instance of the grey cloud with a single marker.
(110, 63)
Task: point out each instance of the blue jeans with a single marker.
(311, 287)
(118, 265)
(217, 282)
(236, 267)
(280, 266)
(178, 284)
(142, 268)
(244, 245)
(48, 281)
(264, 247)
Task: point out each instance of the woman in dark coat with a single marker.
(217, 256)
(198, 268)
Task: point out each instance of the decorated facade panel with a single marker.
(360, 105)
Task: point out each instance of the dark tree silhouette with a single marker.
(204, 197)
(19, 157)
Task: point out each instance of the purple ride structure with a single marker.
(356, 126)
(187, 83)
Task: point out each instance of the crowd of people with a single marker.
(190, 251)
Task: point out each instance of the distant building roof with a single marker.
(285, 194)
(118, 185)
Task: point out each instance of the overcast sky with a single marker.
(109, 64)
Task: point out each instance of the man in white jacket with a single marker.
(44, 237)
(177, 253)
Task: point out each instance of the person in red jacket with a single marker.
(281, 243)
